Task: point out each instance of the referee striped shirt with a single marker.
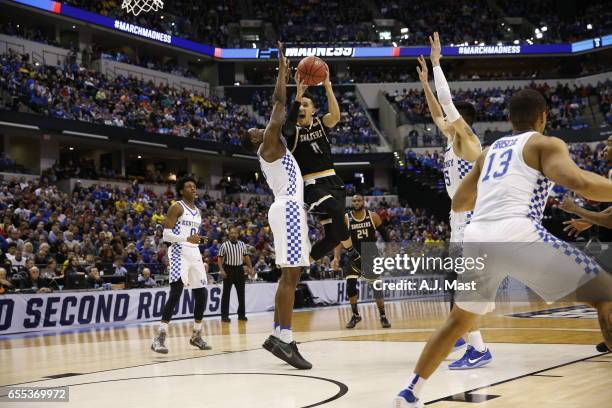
(233, 253)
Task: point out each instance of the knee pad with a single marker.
(351, 287)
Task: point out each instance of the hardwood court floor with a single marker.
(544, 360)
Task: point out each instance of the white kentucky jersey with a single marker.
(455, 169)
(508, 187)
(188, 223)
(284, 177)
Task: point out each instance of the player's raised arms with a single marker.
(465, 143)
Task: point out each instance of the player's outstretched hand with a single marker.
(422, 70)
(568, 205)
(576, 226)
(283, 62)
(327, 82)
(436, 49)
(194, 239)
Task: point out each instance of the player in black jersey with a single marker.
(307, 138)
(362, 225)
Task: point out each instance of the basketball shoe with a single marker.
(406, 399)
(197, 340)
(159, 343)
(472, 359)
(288, 352)
(353, 322)
(459, 344)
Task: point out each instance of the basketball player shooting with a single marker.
(507, 189)
(324, 192)
(462, 149)
(362, 225)
(181, 229)
(286, 216)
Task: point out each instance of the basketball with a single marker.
(312, 70)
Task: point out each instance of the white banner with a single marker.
(63, 310)
(333, 292)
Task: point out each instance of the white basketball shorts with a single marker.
(457, 223)
(287, 220)
(186, 264)
(526, 251)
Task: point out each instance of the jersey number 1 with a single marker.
(316, 148)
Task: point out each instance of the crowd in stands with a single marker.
(587, 157)
(605, 101)
(588, 20)
(157, 64)
(354, 132)
(74, 92)
(318, 21)
(477, 21)
(567, 104)
(349, 22)
(51, 239)
(192, 19)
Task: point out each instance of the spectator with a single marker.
(94, 281)
(73, 277)
(5, 284)
(145, 280)
(34, 283)
(118, 268)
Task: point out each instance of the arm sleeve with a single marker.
(169, 236)
(383, 232)
(291, 121)
(444, 95)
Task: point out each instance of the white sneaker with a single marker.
(159, 343)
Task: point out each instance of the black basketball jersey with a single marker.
(361, 230)
(311, 148)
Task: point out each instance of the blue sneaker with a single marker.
(406, 399)
(459, 344)
(472, 359)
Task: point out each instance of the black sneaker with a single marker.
(308, 365)
(602, 347)
(385, 322)
(289, 353)
(243, 318)
(226, 319)
(355, 261)
(270, 342)
(353, 322)
(197, 340)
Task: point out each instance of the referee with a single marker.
(233, 254)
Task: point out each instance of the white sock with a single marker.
(163, 327)
(286, 335)
(475, 340)
(276, 331)
(415, 384)
(197, 326)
